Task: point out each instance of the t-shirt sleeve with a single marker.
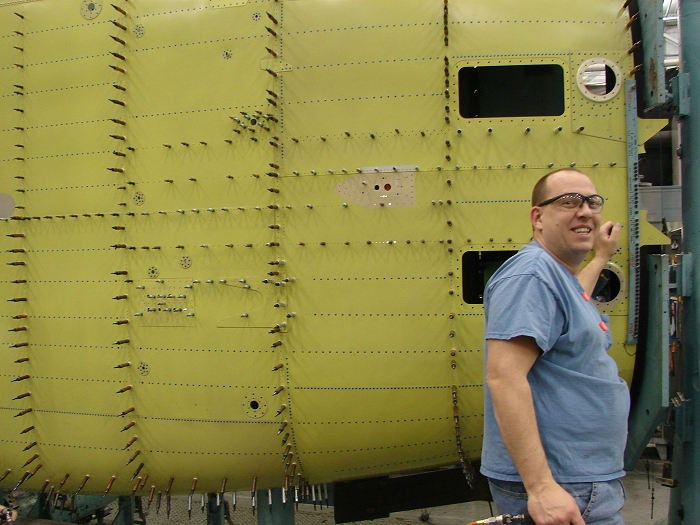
(523, 305)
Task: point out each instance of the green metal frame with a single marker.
(685, 504)
(651, 18)
(277, 513)
(653, 400)
(215, 509)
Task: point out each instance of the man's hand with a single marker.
(605, 246)
(606, 240)
(549, 504)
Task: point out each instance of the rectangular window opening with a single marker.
(477, 269)
(511, 91)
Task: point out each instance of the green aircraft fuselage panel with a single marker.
(237, 232)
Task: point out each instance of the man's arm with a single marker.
(507, 366)
(604, 247)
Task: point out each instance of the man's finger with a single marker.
(615, 231)
(607, 228)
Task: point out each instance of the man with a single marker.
(555, 419)
(7, 516)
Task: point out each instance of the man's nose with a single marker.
(584, 210)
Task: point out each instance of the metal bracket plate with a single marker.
(374, 187)
(680, 86)
(633, 210)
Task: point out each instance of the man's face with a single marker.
(566, 234)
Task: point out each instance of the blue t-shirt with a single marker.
(581, 403)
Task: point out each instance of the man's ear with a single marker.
(536, 218)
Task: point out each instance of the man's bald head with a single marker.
(539, 192)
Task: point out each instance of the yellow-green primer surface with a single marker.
(166, 185)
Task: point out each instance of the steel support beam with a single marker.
(125, 513)
(277, 513)
(653, 398)
(685, 503)
(215, 509)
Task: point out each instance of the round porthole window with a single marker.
(599, 79)
(611, 287)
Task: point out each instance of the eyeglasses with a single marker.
(572, 201)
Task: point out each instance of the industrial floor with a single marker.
(638, 509)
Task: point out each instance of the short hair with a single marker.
(539, 192)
